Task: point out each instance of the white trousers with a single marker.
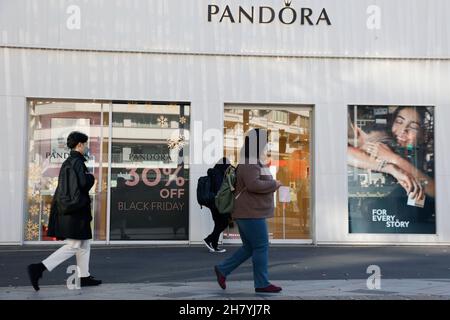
(80, 248)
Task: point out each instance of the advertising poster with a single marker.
(391, 175)
(150, 204)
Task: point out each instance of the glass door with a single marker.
(289, 131)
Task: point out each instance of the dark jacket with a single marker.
(256, 187)
(75, 225)
(216, 174)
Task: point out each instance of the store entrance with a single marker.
(289, 131)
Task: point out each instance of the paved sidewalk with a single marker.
(186, 272)
(243, 290)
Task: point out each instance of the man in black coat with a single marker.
(70, 215)
(221, 221)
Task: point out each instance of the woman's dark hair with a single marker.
(222, 164)
(254, 143)
(421, 111)
(74, 138)
(426, 146)
(223, 160)
(426, 120)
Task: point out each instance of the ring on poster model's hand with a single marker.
(372, 149)
(381, 164)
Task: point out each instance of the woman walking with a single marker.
(254, 204)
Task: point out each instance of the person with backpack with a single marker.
(253, 204)
(221, 220)
(70, 215)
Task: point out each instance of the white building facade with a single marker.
(166, 88)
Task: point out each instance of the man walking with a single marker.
(70, 215)
(221, 221)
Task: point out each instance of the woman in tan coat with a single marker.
(254, 204)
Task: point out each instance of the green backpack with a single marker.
(225, 198)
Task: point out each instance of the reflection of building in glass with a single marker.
(150, 156)
(140, 139)
(289, 157)
(288, 130)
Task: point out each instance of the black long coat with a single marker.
(75, 225)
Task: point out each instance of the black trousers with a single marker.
(220, 224)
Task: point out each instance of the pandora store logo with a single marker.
(286, 14)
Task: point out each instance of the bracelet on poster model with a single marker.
(381, 164)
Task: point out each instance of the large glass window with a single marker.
(150, 172)
(289, 144)
(149, 166)
(50, 122)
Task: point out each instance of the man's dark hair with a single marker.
(74, 138)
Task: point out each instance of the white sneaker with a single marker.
(220, 250)
(208, 245)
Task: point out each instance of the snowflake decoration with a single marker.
(162, 121)
(33, 196)
(171, 143)
(34, 172)
(34, 210)
(177, 143)
(32, 231)
(46, 211)
(53, 183)
(183, 120)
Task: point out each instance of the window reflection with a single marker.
(50, 122)
(289, 144)
(150, 172)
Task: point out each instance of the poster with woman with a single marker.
(390, 157)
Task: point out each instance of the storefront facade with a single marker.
(166, 88)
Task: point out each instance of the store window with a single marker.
(50, 122)
(290, 156)
(150, 172)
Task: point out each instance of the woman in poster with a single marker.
(403, 151)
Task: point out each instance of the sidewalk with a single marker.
(437, 289)
(304, 272)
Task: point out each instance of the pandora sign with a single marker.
(286, 14)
